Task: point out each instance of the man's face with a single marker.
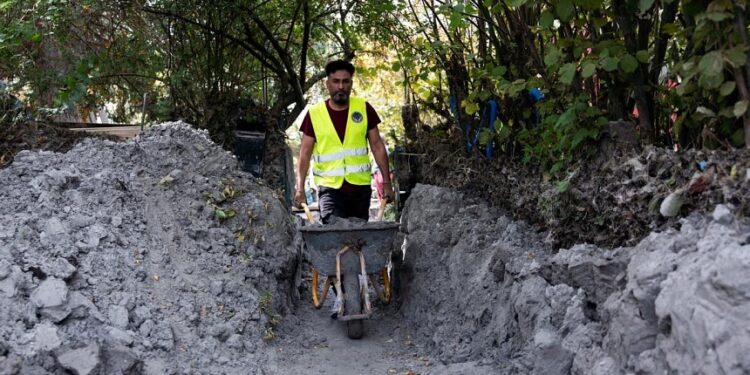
(339, 84)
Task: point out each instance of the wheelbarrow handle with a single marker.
(381, 209)
(308, 213)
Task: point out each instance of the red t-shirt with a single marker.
(339, 119)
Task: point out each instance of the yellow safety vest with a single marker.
(334, 162)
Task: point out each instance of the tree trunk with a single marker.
(640, 83)
(743, 79)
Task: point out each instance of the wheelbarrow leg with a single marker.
(385, 292)
(318, 303)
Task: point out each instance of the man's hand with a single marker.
(299, 198)
(388, 192)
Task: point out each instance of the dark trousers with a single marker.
(344, 204)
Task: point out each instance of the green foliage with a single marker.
(217, 201)
(265, 304)
(594, 60)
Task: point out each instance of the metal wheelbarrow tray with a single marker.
(373, 239)
(347, 253)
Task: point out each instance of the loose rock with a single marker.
(81, 361)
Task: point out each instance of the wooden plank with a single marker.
(122, 132)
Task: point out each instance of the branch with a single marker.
(251, 48)
(305, 41)
(291, 25)
(122, 75)
(742, 29)
(291, 76)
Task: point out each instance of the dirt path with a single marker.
(310, 342)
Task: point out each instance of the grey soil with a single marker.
(159, 256)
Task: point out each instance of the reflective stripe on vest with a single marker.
(349, 169)
(340, 155)
(334, 161)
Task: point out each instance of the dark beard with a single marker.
(340, 97)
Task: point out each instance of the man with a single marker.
(335, 135)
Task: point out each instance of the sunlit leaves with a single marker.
(727, 88)
(609, 64)
(589, 4)
(645, 5)
(711, 63)
(737, 56)
(740, 108)
(499, 71)
(567, 73)
(705, 111)
(588, 69)
(546, 19)
(553, 56)
(469, 107)
(628, 63)
(642, 56)
(517, 3)
(565, 10)
(711, 67)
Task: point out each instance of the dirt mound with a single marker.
(479, 287)
(612, 199)
(155, 255)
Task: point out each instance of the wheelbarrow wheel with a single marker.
(353, 305)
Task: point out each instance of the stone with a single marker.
(176, 174)
(221, 332)
(45, 336)
(51, 297)
(118, 316)
(154, 366)
(78, 221)
(671, 205)
(140, 315)
(163, 336)
(4, 269)
(81, 361)
(235, 341)
(52, 292)
(552, 357)
(58, 267)
(54, 226)
(9, 284)
(217, 286)
(95, 234)
(122, 360)
(120, 337)
(81, 307)
(10, 364)
(722, 214)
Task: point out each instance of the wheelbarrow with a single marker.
(351, 256)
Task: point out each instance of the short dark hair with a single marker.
(336, 65)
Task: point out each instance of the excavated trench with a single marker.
(158, 255)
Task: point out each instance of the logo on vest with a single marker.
(357, 117)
